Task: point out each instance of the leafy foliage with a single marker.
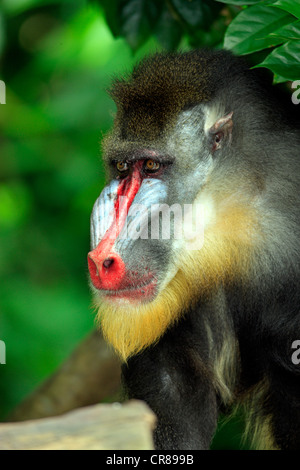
(253, 26)
(263, 26)
(168, 20)
(57, 58)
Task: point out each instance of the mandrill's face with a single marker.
(127, 262)
(165, 229)
(146, 216)
(146, 229)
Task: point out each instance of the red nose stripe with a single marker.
(128, 189)
(110, 274)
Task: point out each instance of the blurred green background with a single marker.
(57, 59)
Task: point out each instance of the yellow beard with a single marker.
(226, 255)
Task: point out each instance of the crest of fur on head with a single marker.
(164, 84)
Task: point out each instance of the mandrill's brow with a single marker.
(136, 155)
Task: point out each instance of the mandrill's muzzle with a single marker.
(122, 206)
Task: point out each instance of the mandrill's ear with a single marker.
(220, 132)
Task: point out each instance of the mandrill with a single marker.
(195, 259)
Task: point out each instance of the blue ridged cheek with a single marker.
(152, 192)
(103, 213)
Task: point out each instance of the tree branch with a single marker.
(88, 376)
(99, 427)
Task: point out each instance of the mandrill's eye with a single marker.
(151, 166)
(122, 168)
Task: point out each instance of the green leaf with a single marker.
(168, 30)
(278, 79)
(112, 15)
(196, 13)
(292, 6)
(250, 29)
(284, 61)
(211, 38)
(290, 31)
(138, 19)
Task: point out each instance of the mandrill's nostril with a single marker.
(107, 270)
(108, 262)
